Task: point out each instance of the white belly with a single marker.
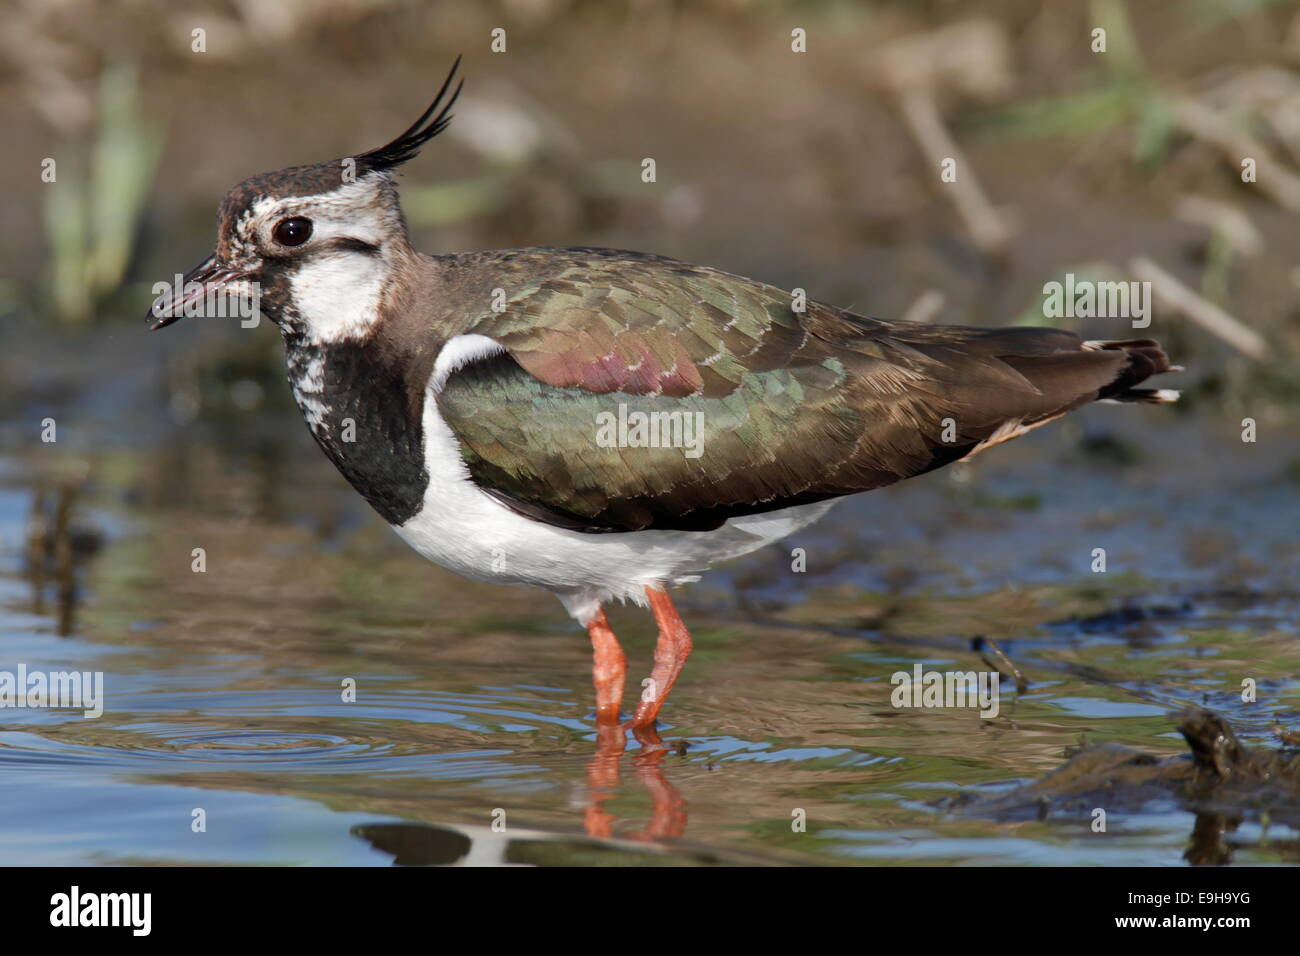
(471, 533)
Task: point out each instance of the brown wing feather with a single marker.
(793, 407)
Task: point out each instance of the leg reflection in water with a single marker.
(668, 809)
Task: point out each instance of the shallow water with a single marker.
(472, 736)
(474, 704)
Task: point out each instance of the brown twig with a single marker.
(1178, 297)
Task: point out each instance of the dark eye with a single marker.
(292, 232)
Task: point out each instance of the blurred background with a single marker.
(815, 169)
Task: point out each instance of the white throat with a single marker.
(337, 297)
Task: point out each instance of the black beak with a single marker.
(205, 278)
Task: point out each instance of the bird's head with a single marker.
(312, 246)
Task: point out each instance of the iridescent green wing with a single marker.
(754, 406)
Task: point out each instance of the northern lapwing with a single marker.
(603, 424)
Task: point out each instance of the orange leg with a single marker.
(671, 651)
(608, 669)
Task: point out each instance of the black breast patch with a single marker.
(368, 422)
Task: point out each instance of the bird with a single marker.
(602, 424)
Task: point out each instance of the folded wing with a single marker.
(755, 405)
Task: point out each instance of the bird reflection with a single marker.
(459, 844)
(668, 809)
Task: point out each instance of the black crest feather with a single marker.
(431, 122)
